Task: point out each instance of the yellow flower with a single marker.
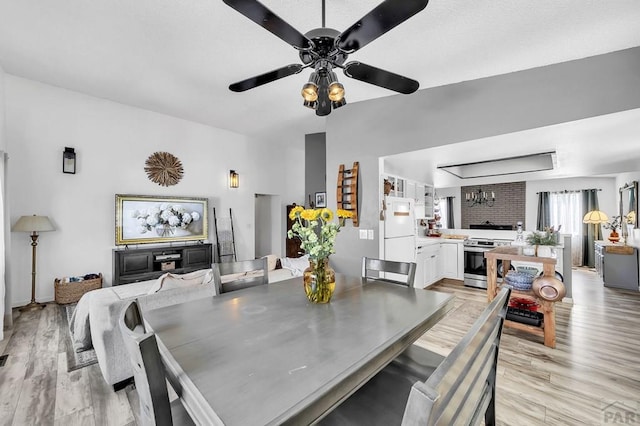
(294, 211)
(344, 214)
(326, 214)
(309, 214)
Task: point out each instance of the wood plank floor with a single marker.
(594, 364)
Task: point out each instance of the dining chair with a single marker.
(421, 387)
(371, 269)
(149, 373)
(241, 274)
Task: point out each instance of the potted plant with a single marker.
(542, 241)
(613, 224)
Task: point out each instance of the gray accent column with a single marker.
(315, 160)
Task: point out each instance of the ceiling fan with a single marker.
(324, 49)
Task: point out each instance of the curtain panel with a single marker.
(544, 211)
(450, 221)
(589, 232)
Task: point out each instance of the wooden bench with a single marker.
(423, 388)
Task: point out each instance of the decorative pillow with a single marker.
(297, 265)
(170, 281)
(272, 261)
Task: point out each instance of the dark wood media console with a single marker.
(142, 264)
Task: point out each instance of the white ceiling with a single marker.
(600, 146)
(178, 57)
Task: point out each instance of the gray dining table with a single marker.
(266, 355)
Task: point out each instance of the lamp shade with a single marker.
(33, 224)
(595, 216)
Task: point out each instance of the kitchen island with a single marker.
(514, 253)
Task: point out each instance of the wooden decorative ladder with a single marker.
(347, 190)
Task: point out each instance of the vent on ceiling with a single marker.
(503, 166)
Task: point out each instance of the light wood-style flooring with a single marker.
(595, 363)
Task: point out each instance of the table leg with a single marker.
(549, 323)
(492, 279)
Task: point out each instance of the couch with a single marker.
(94, 323)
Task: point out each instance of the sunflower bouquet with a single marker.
(316, 230)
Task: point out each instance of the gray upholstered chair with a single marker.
(371, 269)
(148, 373)
(243, 274)
(424, 388)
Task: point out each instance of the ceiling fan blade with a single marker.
(265, 78)
(381, 19)
(271, 22)
(379, 77)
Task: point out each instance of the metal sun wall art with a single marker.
(164, 168)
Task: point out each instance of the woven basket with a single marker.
(72, 292)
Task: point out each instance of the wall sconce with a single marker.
(234, 179)
(69, 161)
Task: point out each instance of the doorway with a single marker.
(268, 225)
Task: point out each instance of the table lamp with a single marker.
(596, 217)
(33, 224)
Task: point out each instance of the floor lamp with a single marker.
(596, 217)
(33, 224)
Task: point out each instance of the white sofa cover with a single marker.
(95, 319)
(94, 322)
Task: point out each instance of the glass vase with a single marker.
(319, 281)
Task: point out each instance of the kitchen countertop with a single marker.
(425, 241)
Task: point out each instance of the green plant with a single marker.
(537, 238)
(316, 230)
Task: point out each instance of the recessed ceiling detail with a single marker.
(503, 166)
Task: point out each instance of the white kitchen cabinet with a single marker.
(427, 197)
(398, 184)
(432, 264)
(410, 189)
(452, 255)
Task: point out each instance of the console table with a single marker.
(142, 264)
(507, 254)
(617, 265)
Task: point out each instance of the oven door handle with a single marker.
(476, 249)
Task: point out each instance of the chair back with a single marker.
(462, 389)
(148, 370)
(244, 274)
(371, 269)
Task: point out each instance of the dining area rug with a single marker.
(75, 360)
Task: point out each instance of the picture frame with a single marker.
(321, 199)
(145, 219)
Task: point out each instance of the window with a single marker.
(565, 211)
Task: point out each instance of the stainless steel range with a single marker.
(475, 265)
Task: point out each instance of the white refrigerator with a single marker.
(399, 231)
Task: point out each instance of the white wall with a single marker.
(467, 111)
(4, 301)
(112, 142)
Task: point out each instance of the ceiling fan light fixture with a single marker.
(310, 90)
(336, 89)
(326, 48)
(338, 104)
(336, 92)
(311, 104)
